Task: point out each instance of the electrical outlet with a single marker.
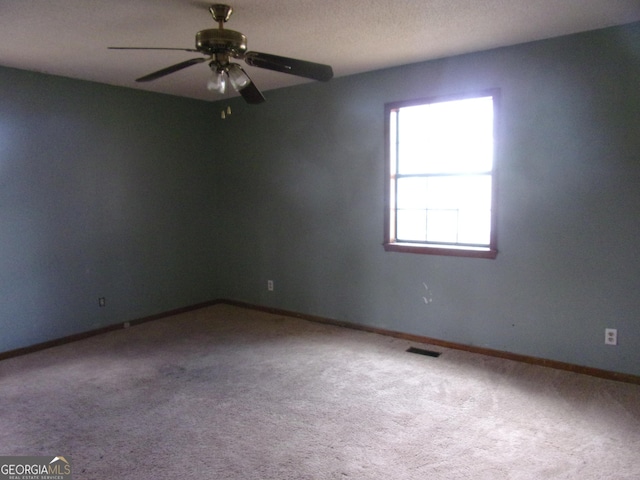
(102, 302)
(270, 285)
(610, 336)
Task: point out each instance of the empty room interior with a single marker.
(143, 225)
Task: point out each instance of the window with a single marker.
(440, 190)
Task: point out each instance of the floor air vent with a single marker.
(420, 351)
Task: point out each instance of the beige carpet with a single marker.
(229, 393)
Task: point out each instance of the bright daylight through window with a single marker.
(440, 188)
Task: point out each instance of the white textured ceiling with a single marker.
(70, 37)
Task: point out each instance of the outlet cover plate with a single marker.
(610, 336)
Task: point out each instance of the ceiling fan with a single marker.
(220, 46)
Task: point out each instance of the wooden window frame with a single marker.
(390, 244)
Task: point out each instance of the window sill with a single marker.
(474, 252)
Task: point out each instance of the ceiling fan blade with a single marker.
(153, 48)
(251, 94)
(242, 83)
(171, 69)
(301, 68)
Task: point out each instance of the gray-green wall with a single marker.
(306, 179)
(157, 203)
(104, 192)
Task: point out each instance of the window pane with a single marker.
(412, 192)
(475, 227)
(411, 225)
(393, 139)
(457, 209)
(442, 226)
(446, 137)
(415, 125)
(457, 192)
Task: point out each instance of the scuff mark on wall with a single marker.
(427, 298)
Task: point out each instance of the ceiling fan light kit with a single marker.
(217, 82)
(220, 45)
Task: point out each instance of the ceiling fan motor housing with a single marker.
(216, 40)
